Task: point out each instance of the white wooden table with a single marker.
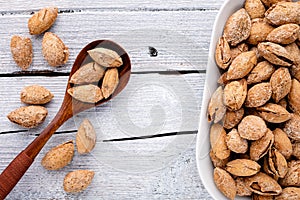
(157, 112)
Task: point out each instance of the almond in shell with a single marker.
(42, 20)
(284, 34)
(292, 127)
(277, 163)
(242, 167)
(259, 31)
(28, 116)
(258, 95)
(21, 50)
(281, 83)
(36, 94)
(252, 127)
(85, 137)
(277, 14)
(235, 94)
(290, 193)
(216, 107)
(296, 150)
(255, 8)
(59, 156)
(77, 181)
(275, 53)
(86, 93)
(237, 27)
(232, 118)
(260, 147)
(263, 184)
(110, 82)
(269, 3)
(282, 143)
(235, 143)
(88, 73)
(261, 72)
(217, 162)
(225, 183)
(274, 113)
(54, 50)
(223, 53)
(292, 177)
(237, 50)
(218, 141)
(294, 96)
(106, 57)
(241, 187)
(242, 65)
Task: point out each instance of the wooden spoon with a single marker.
(17, 168)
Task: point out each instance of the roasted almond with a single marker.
(86, 93)
(274, 113)
(36, 94)
(110, 82)
(21, 50)
(235, 94)
(85, 137)
(59, 156)
(106, 57)
(77, 181)
(252, 127)
(88, 73)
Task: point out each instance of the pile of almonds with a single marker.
(54, 50)
(255, 134)
(103, 67)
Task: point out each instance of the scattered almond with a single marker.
(77, 181)
(106, 57)
(21, 50)
(54, 50)
(59, 156)
(28, 116)
(35, 94)
(85, 137)
(42, 20)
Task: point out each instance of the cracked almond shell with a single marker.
(223, 53)
(42, 20)
(263, 184)
(77, 181)
(28, 116)
(216, 108)
(55, 52)
(59, 156)
(275, 54)
(273, 113)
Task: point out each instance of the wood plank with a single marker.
(150, 104)
(176, 179)
(180, 37)
(25, 6)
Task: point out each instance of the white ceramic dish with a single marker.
(205, 167)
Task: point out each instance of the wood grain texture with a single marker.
(161, 30)
(180, 32)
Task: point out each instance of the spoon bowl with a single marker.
(70, 107)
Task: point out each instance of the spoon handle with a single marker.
(18, 167)
(13, 173)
